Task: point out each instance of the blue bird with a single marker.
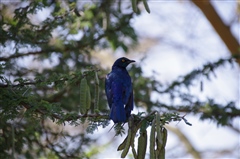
(119, 91)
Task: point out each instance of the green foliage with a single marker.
(135, 6)
(53, 93)
(43, 60)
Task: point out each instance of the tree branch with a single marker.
(221, 28)
(69, 118)
(186, 142)
(20, 55)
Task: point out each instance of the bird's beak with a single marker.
(130, 61)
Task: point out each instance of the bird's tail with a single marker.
(118, 114)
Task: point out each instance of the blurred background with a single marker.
(187, 62)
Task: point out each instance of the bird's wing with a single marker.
(114, 89)
(129, 105)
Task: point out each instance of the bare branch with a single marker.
(221, 28)
(186, 142)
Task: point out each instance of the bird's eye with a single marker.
(123, 60)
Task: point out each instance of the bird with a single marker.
(119, 91)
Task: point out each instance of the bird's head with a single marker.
(122, 62)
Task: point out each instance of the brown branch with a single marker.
(59, 117)
(199, 109)
(221, 28)
(80, 45)
(19, 55)
(185, 141)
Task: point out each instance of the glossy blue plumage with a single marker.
(119, 91)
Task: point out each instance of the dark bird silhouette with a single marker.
(119, 91)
